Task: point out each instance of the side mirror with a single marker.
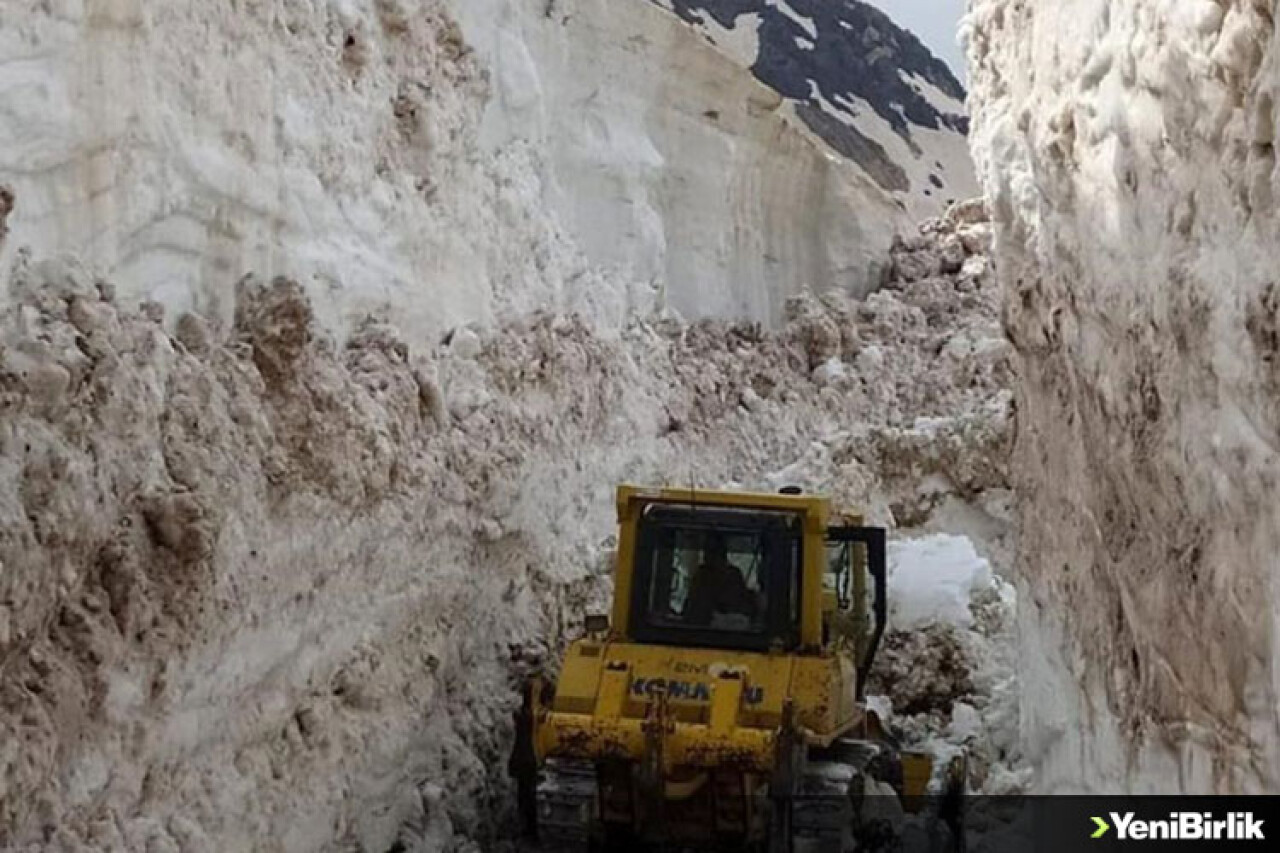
(596, 623)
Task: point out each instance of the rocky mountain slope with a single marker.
(1128, 150)
(858, 81)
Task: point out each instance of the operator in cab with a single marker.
(717, 587)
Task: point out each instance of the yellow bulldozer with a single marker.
(721, 704)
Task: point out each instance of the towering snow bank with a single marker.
(178, 146)
(1128, 150)
(668, 163)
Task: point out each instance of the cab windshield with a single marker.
(717, 577)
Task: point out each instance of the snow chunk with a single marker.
(828, 372)
(465, 344)
(932, 579)
(966, 722)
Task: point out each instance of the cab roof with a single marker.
(815, 508)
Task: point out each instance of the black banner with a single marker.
(1058, 824)
(1061, 824)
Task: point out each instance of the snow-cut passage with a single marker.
(327, 330)
(309, 570)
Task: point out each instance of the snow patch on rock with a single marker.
(858, 82)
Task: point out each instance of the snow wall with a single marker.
(1127, 148)
(442, 162)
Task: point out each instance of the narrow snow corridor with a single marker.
(329, 327)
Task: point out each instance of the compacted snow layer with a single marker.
(261, 584)
(1128, 151)
(435, 161)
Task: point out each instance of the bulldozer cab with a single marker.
(717, 578)
(747, 572)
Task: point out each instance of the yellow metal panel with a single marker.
(584, 736)
(815, 558)
(624, 570)
(683, 744)
(740, 749)
(726, 699)
(814, 506)
(579, 681)
(686, 675)
(614, 684)
(818, 690)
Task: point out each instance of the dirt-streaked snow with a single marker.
(1127, 148)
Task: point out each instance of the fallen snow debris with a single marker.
(933, 580)
(945, 679)
(923, 671)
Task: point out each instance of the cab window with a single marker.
(717, 577)
(713, 580)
